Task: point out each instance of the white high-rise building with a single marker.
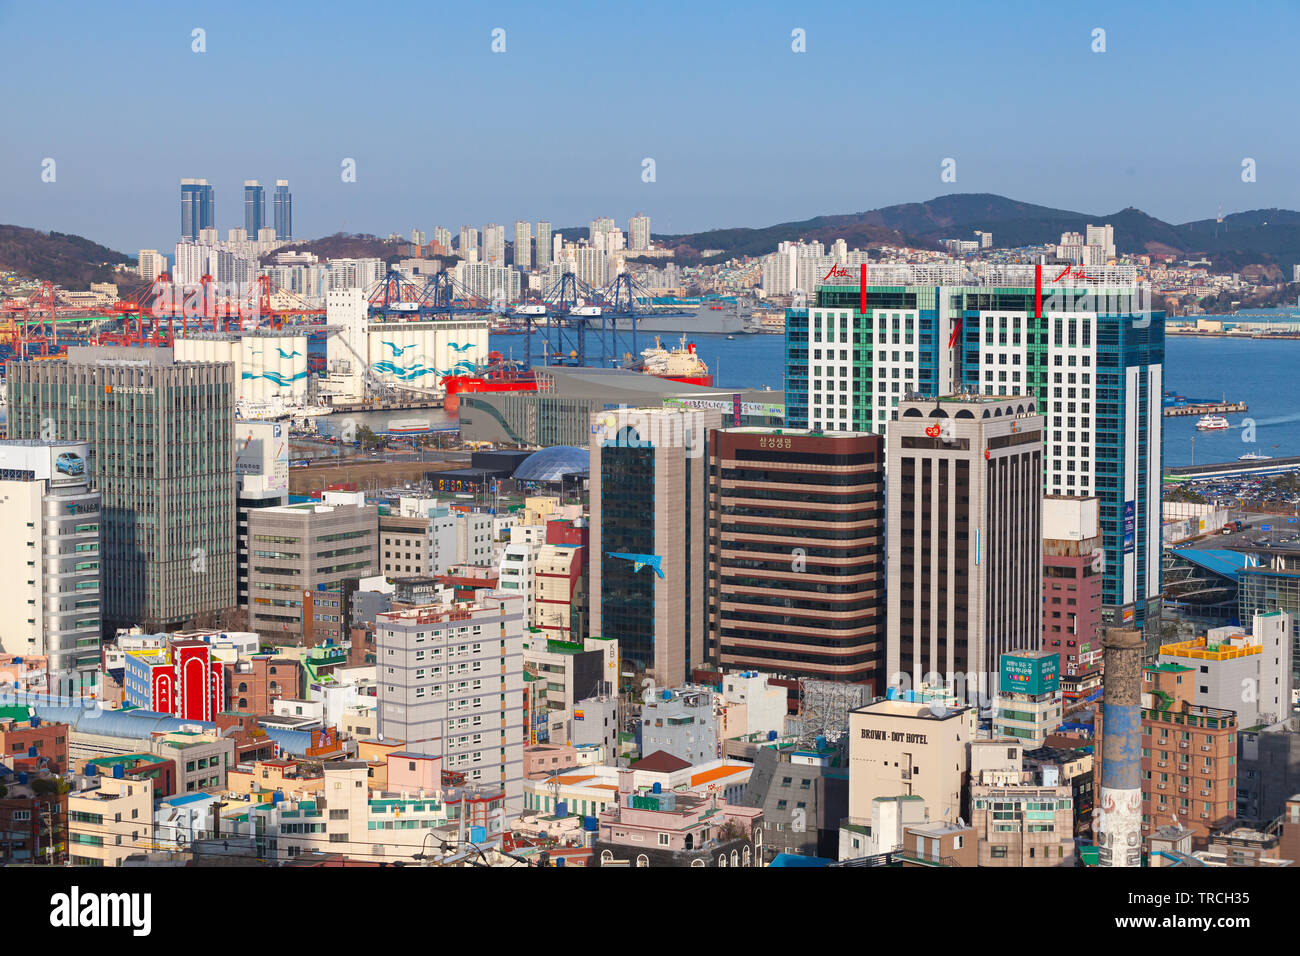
(150, 264)
(523, 245)
(494, 244)
(355, 273)
(442, 236)
(451, 681)
(545, 254)
(50, 519)
(491, 281)
(590, 265)
(599, 226)
(638, 232)
(1103, 236)
(468, 247)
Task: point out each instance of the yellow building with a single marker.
(109, 820)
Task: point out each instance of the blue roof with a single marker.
(797, 860)
(183, 798)
(132, 724)
(552, 464)
(1224, 563)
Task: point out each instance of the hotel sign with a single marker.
(893, 736)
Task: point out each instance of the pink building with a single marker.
(413, 773)
(542, 760)
(1073, 568)
(656, 827)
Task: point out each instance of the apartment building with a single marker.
(50, 518)
(109, 819)
(451, 685)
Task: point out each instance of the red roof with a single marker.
(660, 762)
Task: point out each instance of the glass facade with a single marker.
(197, 210)
(283, 210)
(627, 527)
(254, 209)
(162, 456)
(1096, 375)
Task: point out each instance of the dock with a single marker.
(1208, 408)
(402, 405)
(1233, 469)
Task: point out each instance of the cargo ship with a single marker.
(503, 375)
(679, 365)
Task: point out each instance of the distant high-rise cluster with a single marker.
(197, 208)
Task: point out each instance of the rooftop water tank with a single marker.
(562, 808)
(771, 735)
(91, 770)
(36, 721)
(821, 742)
(657, 788)
(668, 695)
(591, 824)
(119, 772)
(22, 778)
(31, 751)
(559, 861)
(477, 834)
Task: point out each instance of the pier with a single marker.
(401, 405)
(1207, 408)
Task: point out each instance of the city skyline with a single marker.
(707, 175)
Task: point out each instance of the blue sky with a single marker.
(743, 131)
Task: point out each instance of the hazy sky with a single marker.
(743, 131)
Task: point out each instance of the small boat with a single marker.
(1212, 423)
(1254, 456)
(731, 338)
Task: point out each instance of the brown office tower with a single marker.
(965, 539)
(796, 579)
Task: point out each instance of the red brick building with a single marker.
(30, 744)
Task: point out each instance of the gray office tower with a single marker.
(282, 206)
(162, 444)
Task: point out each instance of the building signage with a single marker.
(1030, 675)
(894, 736)
(764, 409)
(837, 272)
(1129, 525)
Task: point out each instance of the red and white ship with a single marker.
(681, 364)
